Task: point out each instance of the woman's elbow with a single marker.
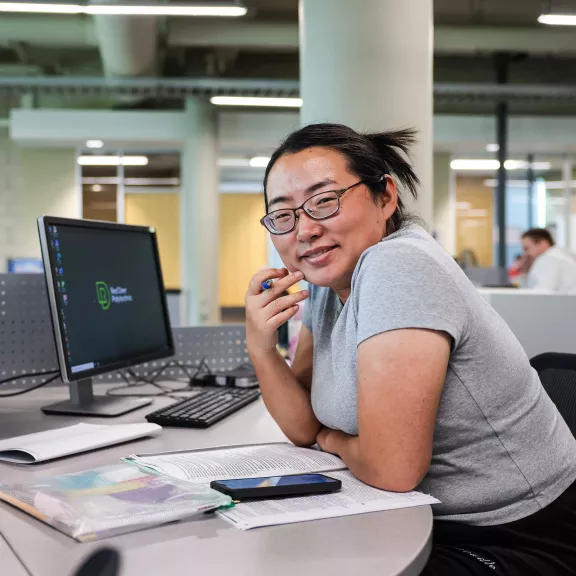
(399, 481)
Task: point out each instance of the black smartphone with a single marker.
(297, 485)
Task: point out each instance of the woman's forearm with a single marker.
(364, 468)
(287, 400)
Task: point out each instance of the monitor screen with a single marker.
(106, 294)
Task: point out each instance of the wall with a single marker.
(443, 201)
(161, 211)
(474, 218)
(243, 245)
(33, 182)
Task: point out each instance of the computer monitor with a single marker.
(108, 306)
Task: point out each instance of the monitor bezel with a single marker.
(55, 311)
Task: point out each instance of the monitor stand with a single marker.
(82, 401)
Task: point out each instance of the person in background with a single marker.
(551, 268)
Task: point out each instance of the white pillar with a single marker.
(368, 64)
(199, 216)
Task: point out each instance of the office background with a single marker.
(139, 89)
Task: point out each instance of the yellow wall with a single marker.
(243, 241)
(162, 211)
(243, 244)
(474, 218)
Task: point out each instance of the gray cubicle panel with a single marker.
(27, 341)
(542, 322)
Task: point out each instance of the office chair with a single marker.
(558, 376)
(103, 562)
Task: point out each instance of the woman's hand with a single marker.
(267, 310)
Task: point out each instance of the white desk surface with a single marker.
(9, 564)
(383, 543)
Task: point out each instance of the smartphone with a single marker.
(301, 484)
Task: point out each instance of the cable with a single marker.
(29, 375)
(20, 392)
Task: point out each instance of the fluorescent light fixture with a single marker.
(234, 162)
(112, 160)
(485, 164)
(256, 101)
(523, 165)
(259, 161)
(96, 188)
(40, 8)
(558, 19)
(474, 164)
(492, 147)
(94, 144)
(129, 9)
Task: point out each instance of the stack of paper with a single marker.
(203, 466)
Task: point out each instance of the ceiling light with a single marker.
(474, 164)
(256, 101)
(40, 8)
(130, 9)
(492, 147)
(166, 10)
(96, 188)
(523, 165)
(112, 160)
(259, 161)
(94, 144)
(558, 19)
(234, 162)
(483, 164)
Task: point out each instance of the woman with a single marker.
(402, 369)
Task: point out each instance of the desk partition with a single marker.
(27, 341)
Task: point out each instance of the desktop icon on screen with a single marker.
(103, 295)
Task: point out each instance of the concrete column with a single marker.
(199, 213)
(444, 202)
(368, 64)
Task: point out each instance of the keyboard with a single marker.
(206, 408)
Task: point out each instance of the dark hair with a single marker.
(538, 235)
(369, 155)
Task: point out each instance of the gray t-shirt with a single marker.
(501, 449)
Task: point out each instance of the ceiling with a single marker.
(264, 45)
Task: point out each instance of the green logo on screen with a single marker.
(103, 295)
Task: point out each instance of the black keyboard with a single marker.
(205, 408)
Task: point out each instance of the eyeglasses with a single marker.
(318, 207)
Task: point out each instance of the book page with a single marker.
(253, 461)
(50, 444)
(354, 498)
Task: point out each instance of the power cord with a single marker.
(151, 381)
(29, 375)
(20, 392)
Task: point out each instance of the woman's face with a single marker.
(326, 251)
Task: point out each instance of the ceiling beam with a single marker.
(70, 31)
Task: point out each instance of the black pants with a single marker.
(541, 544)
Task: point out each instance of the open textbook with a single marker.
(203, 466)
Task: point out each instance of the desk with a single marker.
(383, 543)
(9, 564)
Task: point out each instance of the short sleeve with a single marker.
(405, 287)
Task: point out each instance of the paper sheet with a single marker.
(203, 466)
(42, 446)
(354, 498)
